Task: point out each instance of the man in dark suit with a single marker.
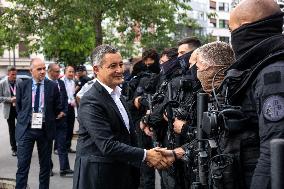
(61, 126)
(38, 105)
(106, 156)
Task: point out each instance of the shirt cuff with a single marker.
(144, 157)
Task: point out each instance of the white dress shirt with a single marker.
(115, 95)
(70, 89)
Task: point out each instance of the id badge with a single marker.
(37, 121)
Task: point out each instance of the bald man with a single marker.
(255, 82)
(37, 104)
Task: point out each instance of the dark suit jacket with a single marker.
(105, 152)
(63, 96)
(52, 107)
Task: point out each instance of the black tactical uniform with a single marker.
(255, 82)
(183, 82)
(141, 84)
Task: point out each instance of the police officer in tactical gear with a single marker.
(174, 71)
(211, 60)
(255, 82)
(144, 75)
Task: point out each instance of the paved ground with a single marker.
(8, 164)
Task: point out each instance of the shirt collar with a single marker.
(66, 79)
(116, 91)
(34, 82)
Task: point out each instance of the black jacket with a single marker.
(105, 149)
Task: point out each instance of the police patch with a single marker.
(273, 108)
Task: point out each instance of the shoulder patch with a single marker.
(273, 108)
(272, 77)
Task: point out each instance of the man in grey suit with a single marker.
(106, 156)
(8, 88)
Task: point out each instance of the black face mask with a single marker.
(168, 66)
(193, 72)
(184, 60)
(154, 68)
(247, 36)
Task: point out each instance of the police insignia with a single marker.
(273, 108)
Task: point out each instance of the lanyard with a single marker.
(13, 89)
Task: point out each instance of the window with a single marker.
(225, 39)
(224, 7)
(213, 21)
(213, 5)
(223, 23)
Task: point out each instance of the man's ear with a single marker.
(96, 69)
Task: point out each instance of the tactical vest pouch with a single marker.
(234, 120)
(223, 172)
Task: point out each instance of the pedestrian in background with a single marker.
(70, 117)
(61, 126)
(8, 87)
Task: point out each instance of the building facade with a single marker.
(18, 56)
(213, 17)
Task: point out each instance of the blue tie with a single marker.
(37, 95)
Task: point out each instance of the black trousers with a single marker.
(60, 144)
(70, 120)
(25, 151)
(11, 124)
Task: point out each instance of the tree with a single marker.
(70, 29)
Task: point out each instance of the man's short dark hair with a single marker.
(150, 53)
(81, 68)
(65, 69)
(170, 53)
(11, 68)
(51, 66)
(192, 42)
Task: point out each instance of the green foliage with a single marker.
(68, 30)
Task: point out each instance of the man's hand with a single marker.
(146, 129)
(156, 160)
(137, 103)
(178, 124)
(13, 99)
(170, 154)
(60, 115)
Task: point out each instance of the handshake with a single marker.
(162, 158)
